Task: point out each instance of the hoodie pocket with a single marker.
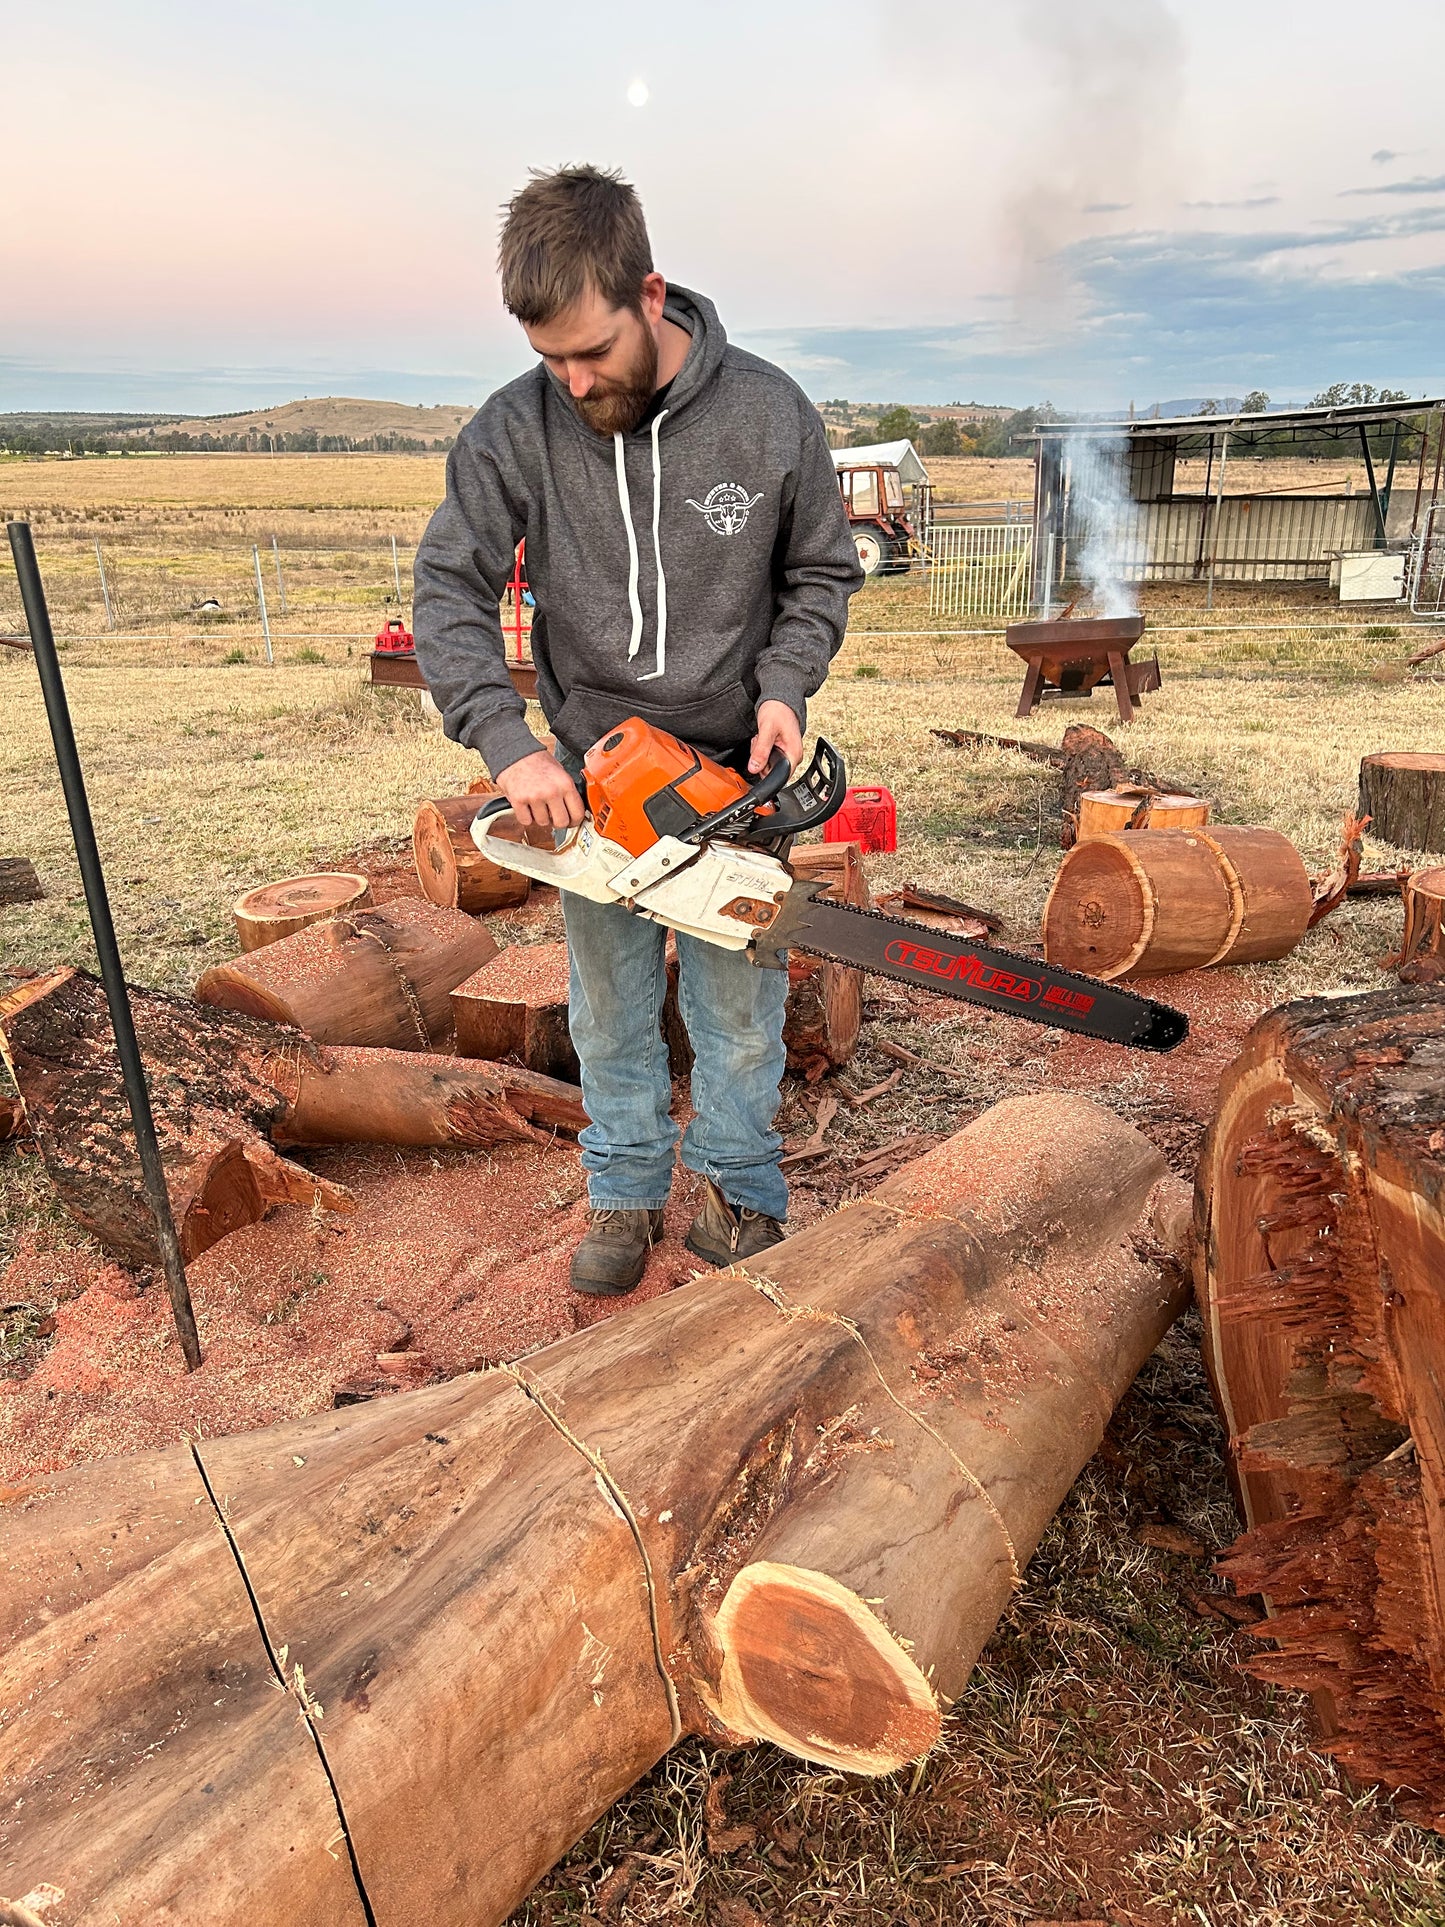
(715, 723)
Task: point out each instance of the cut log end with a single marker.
(275, 910)
(807, 1665)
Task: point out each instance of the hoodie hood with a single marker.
(696, 316)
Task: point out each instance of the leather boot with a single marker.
(725, 1234)
(613, 1255)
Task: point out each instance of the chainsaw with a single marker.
(682, 840)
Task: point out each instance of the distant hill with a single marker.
(332, 419)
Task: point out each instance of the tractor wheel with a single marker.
(875, 549)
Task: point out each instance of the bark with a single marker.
(497, 1602)
(1403, 794)
(1320, 1219)
(1421, 956)
(277, 910)
(825, 1000)
(226, 1091)
(380, 977)
(12, 1119)
(451, 869)
(516, 1007)
(18, 881)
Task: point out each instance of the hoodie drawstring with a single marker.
(625, 503)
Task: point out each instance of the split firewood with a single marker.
(1320, 1254)
(1424, 655)
(230, 1093)
(515, 1006)
(816, 1145)
(276, 910)
(939, 912)
(1330, 890)
(18, 881)
(511, 1593)
(1421, 956)
(825, 1000)
(381, 976)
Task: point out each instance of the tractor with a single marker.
(873, 499)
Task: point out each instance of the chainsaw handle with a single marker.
(801, 803)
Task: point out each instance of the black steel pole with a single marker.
(42, 639)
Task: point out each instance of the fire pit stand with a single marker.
(1075, 656)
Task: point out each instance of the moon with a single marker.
(637, 93)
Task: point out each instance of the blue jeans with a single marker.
(734, 1015)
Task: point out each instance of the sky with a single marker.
(1091, 202)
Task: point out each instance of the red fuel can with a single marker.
(395, 639)
(869, 817)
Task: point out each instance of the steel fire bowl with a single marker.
(1074, 636)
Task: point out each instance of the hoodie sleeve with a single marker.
(817, 571)
(462, 566)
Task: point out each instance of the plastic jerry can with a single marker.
(868, 816)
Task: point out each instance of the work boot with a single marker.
(613, 1255)
(726, 1234)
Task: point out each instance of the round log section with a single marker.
(1271, 890)
(1403, 794)
(451, 869)
(825, 1000)
(1102, 811)
(382, 976)
(276, 910)
(1139, 904)
(1421, 957)
(516, 1007)
(1320, 1268)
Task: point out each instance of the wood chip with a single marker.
(814, 1146)
(1166, 1538)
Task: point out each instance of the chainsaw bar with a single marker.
(974, 972)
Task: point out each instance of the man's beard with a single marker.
(622, 405)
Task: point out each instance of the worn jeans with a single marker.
(734, 1015)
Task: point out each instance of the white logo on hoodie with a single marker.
(726, 507)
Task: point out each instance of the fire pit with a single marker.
(1077, 655)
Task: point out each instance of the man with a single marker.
(691, 564)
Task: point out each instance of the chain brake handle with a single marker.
(802, 804)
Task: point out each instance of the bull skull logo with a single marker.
(726, 507)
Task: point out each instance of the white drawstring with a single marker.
(634, 601)
(657, 552)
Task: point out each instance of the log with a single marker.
(497, 1602)
(12, 1119)
(227, 1091)
(18, 881)
(1143, 903)
(825, 1000)
(276, 910)
(1403, 793)
(516, 1007)
(1132, 807)
(451, 869)
(381, 976)
(1320, 1220)
(1421, 956)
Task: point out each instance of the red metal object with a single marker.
(873, 503)
(395, 639)
(517, 588)
(1075, 656)
(869, 817)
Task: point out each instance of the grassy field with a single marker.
(1109, 1760)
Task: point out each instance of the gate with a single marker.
(980, 571)
(1426, 566)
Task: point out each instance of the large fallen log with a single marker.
(494, 1603)
(227, 1091)
(1321, 1272)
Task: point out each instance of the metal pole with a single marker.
(1218, 511)
(57, 709)
(1374, 488)
(1204, 512)
(1049, 578)
(395, 570)
(104, 588)
(280, 579)
(261, 598)
(1420, 478)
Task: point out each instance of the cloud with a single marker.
(1383, 154)
(1257, 200)
(1105, 207)
(1418, 184)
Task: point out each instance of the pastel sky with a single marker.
(1094, 201)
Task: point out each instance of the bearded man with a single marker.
(691, 564)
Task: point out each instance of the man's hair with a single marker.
(568, 232)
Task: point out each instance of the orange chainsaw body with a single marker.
(633, 774)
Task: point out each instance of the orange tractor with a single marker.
(873, 497)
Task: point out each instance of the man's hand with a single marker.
(777, 729)
(541, 792)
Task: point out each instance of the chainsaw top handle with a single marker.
(802, 804)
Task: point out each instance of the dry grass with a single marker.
(1108, 1760)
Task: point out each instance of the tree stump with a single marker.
(825, 1000)
(227, 1090)
(277, 910)
(1320, 1225)
(18, 881)
(382, 976)
(493, 1604)
(1421, 957)
(451, 869)
(516, 1007)
(1403, 794)
(1132, 807)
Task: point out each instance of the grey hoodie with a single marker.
(683, 573)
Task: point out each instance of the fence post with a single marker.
(261, 599)
(104, 588)
(280, 579)
(395, 571)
